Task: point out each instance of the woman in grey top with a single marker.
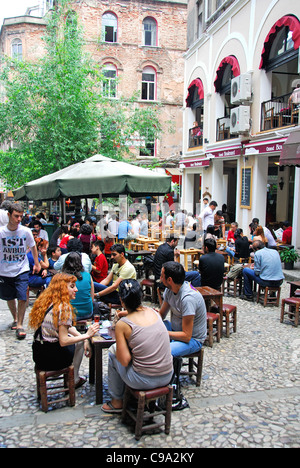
(143, 357)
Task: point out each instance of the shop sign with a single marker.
(265, 147)
(194, 163)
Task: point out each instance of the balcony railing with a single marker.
(278, 112)
(195, 137)
(223, 129)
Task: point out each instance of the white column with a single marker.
(296, 212)
(188, 191)
(259, 188)
(217, 182)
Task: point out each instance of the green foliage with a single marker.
(54, 110)
(289, 255)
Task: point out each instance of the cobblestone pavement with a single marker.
(249, 395)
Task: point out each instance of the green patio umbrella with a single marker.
(94, 176)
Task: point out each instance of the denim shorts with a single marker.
(15, 287)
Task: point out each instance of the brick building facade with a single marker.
(141, 43)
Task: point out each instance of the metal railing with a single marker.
(223, 129)
(278, 112)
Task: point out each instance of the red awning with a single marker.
(198, 83)
(290, 154)
(230, 60)
(294, 25)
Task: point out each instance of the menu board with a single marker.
(246, 187)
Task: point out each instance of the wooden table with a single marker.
(133, 254)
(96, 362)
(192, 252)
(146, 241)
(211, 294)
(294, 285)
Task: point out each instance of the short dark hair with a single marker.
(74, 245)
(171, 237)
(118, 248)
(214, 203)
(86, 229)
(210, 244)
(36, 222)
(210, 229)
(52, 249)
(238, 233)
(99, 243)
(130, 292)
(175, 271)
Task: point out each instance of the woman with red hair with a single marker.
(57, 344)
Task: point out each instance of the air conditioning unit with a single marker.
(241, 88)
(226, 122)
(240, 119)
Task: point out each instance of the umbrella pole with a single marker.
(63, 209)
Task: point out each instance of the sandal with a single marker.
(14, 326)
(111, 409)
(20, 333)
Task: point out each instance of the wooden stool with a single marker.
(149, 289)
(232, 286)
(192, 363)
(229, 318)
(264, 295)
(293, 312)
(213, 328)
(148, 397)
(68, 387)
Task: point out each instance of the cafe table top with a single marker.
(96, 362)
(212, 294)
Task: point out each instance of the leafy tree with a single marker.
(55, 112)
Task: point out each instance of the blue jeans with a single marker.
(112, 297)
(250, 276)
(194, 278)
(230, 252)
(36, 281)
(179, 348)
(119, 375)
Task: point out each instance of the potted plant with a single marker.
(288, 257)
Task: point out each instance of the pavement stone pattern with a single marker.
(249, 395)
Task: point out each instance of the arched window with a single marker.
(109, 27)
(150, 32)
(16, 49)
(282, 43)
(110, 80)
(195, 100)
(148, 84)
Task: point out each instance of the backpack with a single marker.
(236, 271)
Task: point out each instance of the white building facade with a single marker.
(241, 67)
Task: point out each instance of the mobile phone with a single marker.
(106, 336)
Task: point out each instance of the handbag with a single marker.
(50, 356)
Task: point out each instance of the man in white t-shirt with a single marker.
(136, 226)
(41, 233)
(3, 212)
(15, 239)
(207, 215)
(113, 226)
